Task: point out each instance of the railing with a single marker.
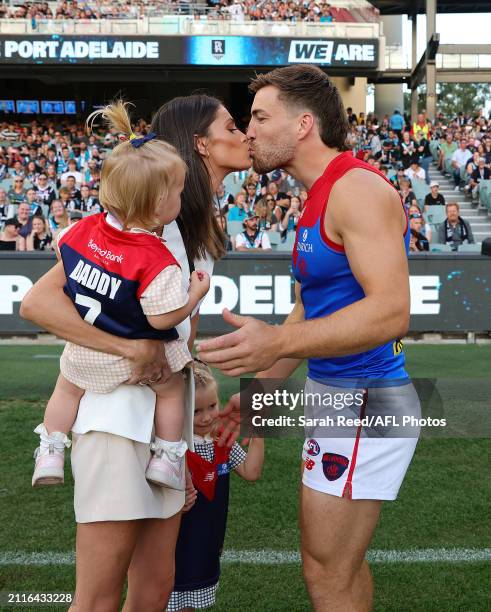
(182, 25)
(396, 58)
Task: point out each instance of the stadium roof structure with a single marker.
(411, 7)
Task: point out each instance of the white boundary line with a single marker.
(280, 557)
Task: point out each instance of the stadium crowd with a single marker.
(50, 175)
(253, 10)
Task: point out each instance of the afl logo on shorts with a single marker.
(312, 447)
(333, 465)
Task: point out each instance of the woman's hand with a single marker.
(149, 364)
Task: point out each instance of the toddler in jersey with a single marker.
(122, 278)
(202, 531)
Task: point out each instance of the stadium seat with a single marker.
(448, 165)
(421, 189)
(436, 214)
(470, 248)
(234, 228)
(440, 248)
(287, 245)
(434, 146)
(274, 238)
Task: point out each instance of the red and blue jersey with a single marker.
(107, 271)
(328, 284)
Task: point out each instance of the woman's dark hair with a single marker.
(179, 122)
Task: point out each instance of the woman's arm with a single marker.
(30, 242)
(47, 306)
(251, 468)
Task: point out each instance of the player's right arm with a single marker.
(281, 370)
(47, 305)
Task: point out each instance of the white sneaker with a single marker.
(50, 457)
(457, 188)
(167, 466)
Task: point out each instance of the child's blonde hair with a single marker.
(203, 376)
(134, 179)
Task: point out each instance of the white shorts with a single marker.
(361, 462)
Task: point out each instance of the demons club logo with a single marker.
(334, 465)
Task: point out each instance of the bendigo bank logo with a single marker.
(303, 245)
(218, 48)
(311, 51)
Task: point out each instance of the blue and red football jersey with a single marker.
(107, 271)
(328, 284)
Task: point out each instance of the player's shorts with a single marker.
(361, 458)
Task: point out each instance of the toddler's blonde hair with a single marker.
(202, 374)
(133, 180)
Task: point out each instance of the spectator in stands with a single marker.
(72, 189)
(252, 239)
(45, 192)
(266, 219)
(17, 193)
(420, 125)
(290, 220)
(9, 236)
(223, 199)
(397, 122)
(407, 150)
(222, 222)
(447, 149)
(407, 194)
(434, 197)
(351, 116)
(87, 202)
(9, 133)
(455, 230)
(425, 157)
(415, 171)
(52, 177)
(39, 239)
(425, 229)
(237, 212)
(481, 173)
(252, 197)
(58, 218)
(31, 172)
(31, 199)
(25, 219)
(418, 241)
(72, 172)
(17, 171)
(4, 205)
(460, 158)
(65, 197)
(3, 168)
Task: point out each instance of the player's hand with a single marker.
(200, 283)
(230, 422)
(253, 347)
(148, 361)
(190, 492)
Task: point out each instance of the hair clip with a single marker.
(137, 142)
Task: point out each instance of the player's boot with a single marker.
(167, 466)
(50, 457)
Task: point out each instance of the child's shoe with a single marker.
(50, 457)
(167, 466)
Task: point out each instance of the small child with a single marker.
(124, 280)
(202, 531)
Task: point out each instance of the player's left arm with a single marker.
(366, 214)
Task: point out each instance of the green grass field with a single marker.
(443, 505)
